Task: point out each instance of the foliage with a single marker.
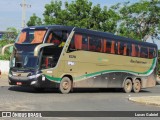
(6, 56)
(11, 34)
(8, 38)
(34, 20)
(79, 13)
(140, 19)
(136, 20)
(5, 42)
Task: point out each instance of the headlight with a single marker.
(34, 76)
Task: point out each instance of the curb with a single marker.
(148, 100)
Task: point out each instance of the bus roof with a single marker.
(111, 36)
(94, 32)
(59, 27)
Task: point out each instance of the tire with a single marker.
(136, 86)
(65, 85)
(127, 86)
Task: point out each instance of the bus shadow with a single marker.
(100, 90)
(31, 89)
(76, 90)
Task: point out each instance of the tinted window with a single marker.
(135, 50)
(84, 42)
(121, 46)
(152, 53)
(95, 44)
(144, 52)
(57, 37)
(108, 46)
(31, 36)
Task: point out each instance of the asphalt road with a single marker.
(15, 98)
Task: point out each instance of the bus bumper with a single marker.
(35, 81)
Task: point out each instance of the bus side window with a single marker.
(125, 50)
(77, 41)
(129, 50)
(113, 47)
(144, 52)
(151, 53)
(134, 50)
(95, 44)
(107, 46)
(104, 45)
(99, 45)
(102, 42)
(121, 48)
(49, 38)
(72, 44)
(92, 44)
(55, 40)
(85, 43)
(63, 38)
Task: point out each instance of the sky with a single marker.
(11, 10)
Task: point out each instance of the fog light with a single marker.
(43, 78)
(33, 82)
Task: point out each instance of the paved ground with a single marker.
(152, 100)
(4, 80)
(15, 98)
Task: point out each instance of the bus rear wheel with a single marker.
(136, 86)
(65, 85)
(127, 87)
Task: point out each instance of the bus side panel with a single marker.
(104, 80)
(150, 81)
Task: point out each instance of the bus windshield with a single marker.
(24, 60)
(31, 36)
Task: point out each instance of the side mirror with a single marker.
(38, 48)
(5, 47)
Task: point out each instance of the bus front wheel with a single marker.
(127, 86)
(65, 85)
(136, 86)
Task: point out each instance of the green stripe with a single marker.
(105, 71)
(109, 71)
(52, 78)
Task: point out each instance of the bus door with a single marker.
(49, 57)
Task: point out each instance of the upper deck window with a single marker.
(57, 37)
(31, 36)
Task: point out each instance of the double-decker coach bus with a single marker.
(69, 57)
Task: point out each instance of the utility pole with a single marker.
(24, 6)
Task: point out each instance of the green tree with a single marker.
(52, 13)
(80, 13)
(11, 34)
(110, 20)
(139, 19)
(8, 37)
(34, 20)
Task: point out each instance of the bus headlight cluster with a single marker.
(34, 76)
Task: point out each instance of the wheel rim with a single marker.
(65, 85)
(137, 86)
(128, 86)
